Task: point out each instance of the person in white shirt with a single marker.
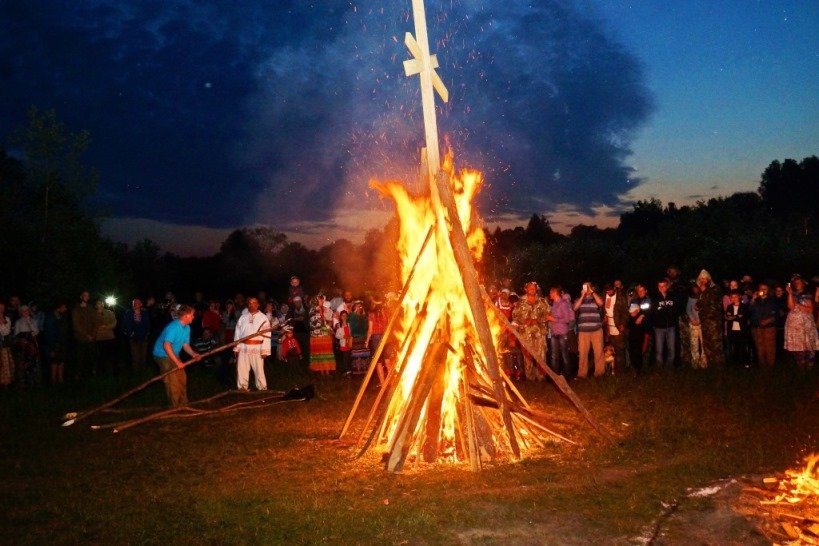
(252, 352)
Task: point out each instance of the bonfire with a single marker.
(445, 397)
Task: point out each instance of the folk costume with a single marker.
(252, 352)
(530, 318)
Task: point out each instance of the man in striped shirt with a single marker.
(589, 330)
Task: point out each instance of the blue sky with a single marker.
(736, 85)
(208, 116)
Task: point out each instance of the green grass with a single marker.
(276, 475)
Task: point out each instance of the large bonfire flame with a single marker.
(444, 397)
(439, 401)
(435, 310)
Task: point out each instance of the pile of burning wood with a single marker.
(787, 506)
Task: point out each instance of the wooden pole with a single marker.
(387, 333)
(72, 417)
(469, 278)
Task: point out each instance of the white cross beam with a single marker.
(424, 65)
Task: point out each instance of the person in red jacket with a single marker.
(291, 350)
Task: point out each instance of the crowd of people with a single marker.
(662, 326)
(601, 330)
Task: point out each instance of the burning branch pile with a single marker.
(788, 505)
(445, 398)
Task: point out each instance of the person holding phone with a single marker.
(588, 308)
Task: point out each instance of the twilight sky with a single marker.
(207, 116)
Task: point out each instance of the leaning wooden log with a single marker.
(387, 333)
(72, 417)
(409, 420)
(376, 415)
(469, 278)
(558, 379)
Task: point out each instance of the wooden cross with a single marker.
(424, 65)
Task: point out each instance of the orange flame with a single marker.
(435, 307)
(801, 484)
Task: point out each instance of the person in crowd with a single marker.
(322, 359)
(13, 309)
(175, 337)
(84, 325)
(345, 342)
(292, 356)
(295, 290)
(762, 310)
(359, 325)
(212, 320)
(698, 359)
(204, 344)
(509, 347)
(639, 327)
(711, 312)
(588, 306)
(104, 338)
(26, 349)
(560, 319)
(780, 298)
(240, 303)
(616, 334)
(664, 319)
(6, 359)
(229, 318)
(276, 322)
(250, 354)
(800, 327)
(738, 328)
(136, 327)
(38, 315)
(346, 304)
(299, 317)
(529, 318)
(55, 337)
(378, 318)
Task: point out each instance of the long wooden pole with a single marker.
(72, 417)
(387, 333)
(469, 278)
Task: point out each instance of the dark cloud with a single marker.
(220, 114)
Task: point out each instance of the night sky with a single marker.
(206, 116)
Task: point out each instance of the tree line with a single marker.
(52, 245)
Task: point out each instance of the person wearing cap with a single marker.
(176, 337)
(529, 317)
(250, 354)
(800, 328)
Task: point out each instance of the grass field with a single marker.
(277, 475)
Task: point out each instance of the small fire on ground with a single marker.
(788, 505)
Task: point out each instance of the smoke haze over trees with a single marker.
(52, 246)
